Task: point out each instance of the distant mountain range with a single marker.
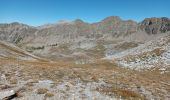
(77, 34)
(111, 26)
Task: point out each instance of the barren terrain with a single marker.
(109, 60)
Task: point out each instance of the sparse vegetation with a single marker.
(29, 84)
(37, 48)
(49, 94)
(101, 70)
(145, 55)
(31, 49)
(126, 45)
(121, 93)
(3, 87)
(42, 91)
(18, 40)
(13, 81)
(53, 45)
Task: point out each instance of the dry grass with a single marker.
(158, 51)
(13, 81)
(49, 94)
(126, 45)
(120, 93)
(97, 51)
(100, 69)
(145, 55)
(127, 94)
(29, 84)
(3, 87)
(42, 91)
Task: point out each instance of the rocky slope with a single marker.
(65, 38)
(15, 32)
(155, 53)
(10, 51)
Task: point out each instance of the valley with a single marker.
(113, 59)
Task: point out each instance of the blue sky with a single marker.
(38, 12)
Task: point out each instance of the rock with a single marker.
(155, 25)
(7, 95)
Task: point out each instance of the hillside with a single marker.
(10, 51)
(65, 38)
(154, 53)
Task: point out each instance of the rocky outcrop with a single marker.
(155, 25)
(15, 32)
(7, 95)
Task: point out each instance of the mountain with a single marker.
(112, 26)
(15, 32)
(76, 59)
(155, 25)
(65, 38)
(115, 26)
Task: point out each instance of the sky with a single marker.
(39, 12)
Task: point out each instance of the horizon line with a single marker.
(72, 20)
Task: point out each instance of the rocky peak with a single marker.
(155, 25)
(116, 26)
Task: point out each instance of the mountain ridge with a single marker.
(84, 21)
(78, 34)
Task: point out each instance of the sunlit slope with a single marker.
(8, 50)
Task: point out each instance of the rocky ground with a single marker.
(24, 76)
(36, 80)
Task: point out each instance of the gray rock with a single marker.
(155, 25)
(5, 94)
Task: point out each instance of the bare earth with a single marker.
(64, 80)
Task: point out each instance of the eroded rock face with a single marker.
(155, 25)
(115, 26)
(15, 32)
